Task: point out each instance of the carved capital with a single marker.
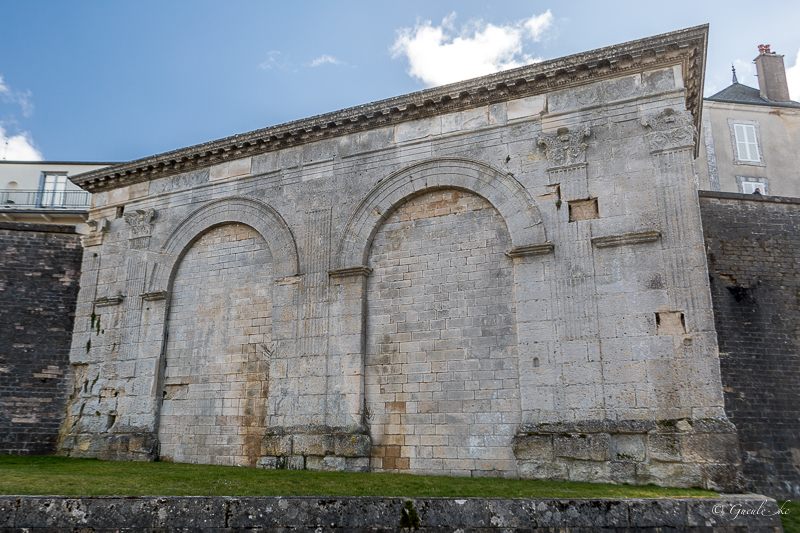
(565, 148)
(141, 227)
(671, 130)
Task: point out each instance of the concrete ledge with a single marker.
(733, 513)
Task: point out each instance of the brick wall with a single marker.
(753, 249)
(220, 321)
(441, 375)
(39, 275)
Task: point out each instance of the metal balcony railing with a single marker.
(37, 199)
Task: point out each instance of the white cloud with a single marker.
(325, 58)
(438, 55)
(16, 97)
(274, 59)
(793, 79)
(18, 147)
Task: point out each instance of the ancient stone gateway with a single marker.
(503, 276)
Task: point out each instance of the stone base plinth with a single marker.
(671, 453)
(344, 452)
(141, 447)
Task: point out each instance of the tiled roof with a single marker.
(737, 93)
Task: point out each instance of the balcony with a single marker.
(32, 199)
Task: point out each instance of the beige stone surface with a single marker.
(416, 297)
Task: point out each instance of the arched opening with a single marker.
(441, 369)
(219, 335)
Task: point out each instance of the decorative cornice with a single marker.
(107, 301)
(641, 237)
(531, 249)
(685, 47)
(351, 271)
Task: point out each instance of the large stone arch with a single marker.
(258, 215)
(441, 379)
(214, 391)
(501, 189)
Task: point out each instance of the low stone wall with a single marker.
(61, 514)
(40, 266)
(754, 264)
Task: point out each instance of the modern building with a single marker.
(750, 137)
(40, 191)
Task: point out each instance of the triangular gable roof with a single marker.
(685, 47)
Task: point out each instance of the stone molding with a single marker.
(625, 239)
(258, 215)
(671, 130)
(108, 301)
(685, 47)
(501, 189)
(154, 296)
(95, 232)
(361, 271)
(565, 148)
(531, 250)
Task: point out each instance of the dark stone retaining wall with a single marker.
(40, 266)
(134, 514)
(753, 245)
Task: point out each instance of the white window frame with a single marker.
(747, 185)
(746, 141)
(53, 189)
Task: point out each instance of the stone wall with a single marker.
(456, 286)
(441, 378)
(39, 272)
(754, 263)
(217, 361)
(60, 514)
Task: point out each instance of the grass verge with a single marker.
(791, 518)
(90, 477)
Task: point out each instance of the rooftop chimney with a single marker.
(771, 75)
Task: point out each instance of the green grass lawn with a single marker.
(790, 520)
(90, 477)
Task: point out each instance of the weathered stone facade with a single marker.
(504, 276)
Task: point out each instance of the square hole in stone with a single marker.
(583, 210)
(671, 323)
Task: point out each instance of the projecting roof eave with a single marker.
(686, 47)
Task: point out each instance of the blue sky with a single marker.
(115, 81)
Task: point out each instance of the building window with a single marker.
(54, 187)
(749, 185)
(746, 142)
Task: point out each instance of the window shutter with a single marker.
(746, 143)
(752, 145)
(741, 142)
